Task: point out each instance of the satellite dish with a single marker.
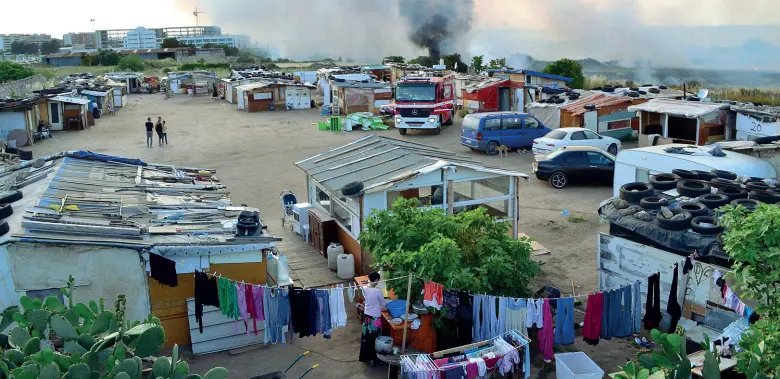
(703, 92)
(19, 136)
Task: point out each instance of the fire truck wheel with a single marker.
(437, 131)
(451, 119)
(402, 131)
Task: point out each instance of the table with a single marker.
(394, 361)
(698, 357)
(423, 339)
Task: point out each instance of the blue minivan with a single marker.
(487, 131)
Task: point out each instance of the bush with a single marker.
(204, 66)
(13, 71)
(131, 63)
(462, 113)
(245, 59)
(161, 63)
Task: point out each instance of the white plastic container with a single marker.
(346, 267)
(576, 366)
(334, 250)
(278, 269)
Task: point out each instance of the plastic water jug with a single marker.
(278, 269)
(334, 250)
(346, 266)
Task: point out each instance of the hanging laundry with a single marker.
(591, 330)
(313, 310)
(323, 311)
(479, 317)
(300, 303)
(257, 294)
(243, 312)
(338, 313)
(351, 294)
(205, 293)
(534, 314)
(228, 303)
(465, 317)
(496, 316)
(636, 314)
(672, 305)
(564, 321)
(515, 315)
(627, 325)
(253, 295)
(653, 305)
(433, 295)
(277, 314)
(608, 315)
(688, 266)
(163, 270)
(545, 335)
(451, 303)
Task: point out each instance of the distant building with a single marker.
(87, 40)
(7, 39)
(140, 38)
(115, 38)
(238, 41)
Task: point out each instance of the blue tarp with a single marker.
(81, 154)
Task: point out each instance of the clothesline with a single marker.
(668, 270)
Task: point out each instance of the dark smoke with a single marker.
(437, 25)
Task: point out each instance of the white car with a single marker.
(559, 138)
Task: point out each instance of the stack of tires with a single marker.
(6, 209)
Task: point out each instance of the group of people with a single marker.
(160, 128)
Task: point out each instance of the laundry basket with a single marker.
(576, 366)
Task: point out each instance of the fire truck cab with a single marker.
(424, 103)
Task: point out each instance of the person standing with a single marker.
(373, 301)
(159, 129)
(165, 132)
(149, 131)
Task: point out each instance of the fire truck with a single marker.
(424, 103)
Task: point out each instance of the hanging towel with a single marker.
(653, 304)
(338, 313)
(206, 293)
(672, 305)
(564, 321)
(591, 330)
(545, 335)
(433, 295)
(515, 315)
(163, 270)
(637, 307)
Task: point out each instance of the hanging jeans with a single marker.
(624, 325)
(479, 316)
(637, 307)
(606, 320)
(564, 322)
(496, 316)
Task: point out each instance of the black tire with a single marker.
(491, 148)
(559, 180)
(353, 188)
(721, 183)
(713, 201)
(769, 197)
(653, 202)
(6, 210)
(636, 191)
(675, 225)
(693, 188)
(664, 182)
(705, 175)
(758, 186)
(451, 120)
(437, 131)
(734, 193)
(402, 131)
(612, 149)
(695, 209)
(685, 174)
(747, 203)
(766, 140)
(4, 228)
(724, 174)
(11, 197)
(696, 225)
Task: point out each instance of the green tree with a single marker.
(50, 47)
(497, 64)
(13, 71)
(284, 60)
(394, 59)
(131, 62)
(477, 63)
(568, 68)
(423, 61)
(20, 47)
(171, 42)
(107, 58)
(245, 59)
(450, 60)
(468, 250)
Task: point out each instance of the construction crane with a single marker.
(196, 13)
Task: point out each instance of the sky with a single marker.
(669, 32)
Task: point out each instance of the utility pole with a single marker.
(92, 20)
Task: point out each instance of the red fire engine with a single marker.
(424, 103)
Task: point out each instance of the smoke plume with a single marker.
(437, 24)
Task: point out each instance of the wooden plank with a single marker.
(72, 228)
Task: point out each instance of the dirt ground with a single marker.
(254, 154)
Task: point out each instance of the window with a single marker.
(622, 124)
(342, 216)
(598, 159)
(492, 124)
(578, 136)
(512, 123)
(575, 158)
(556, 134)
(531, 123)
(322, 198)
(590, 135)
(528, 79)
(447, 92)
(470, 122)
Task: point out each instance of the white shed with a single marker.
(298, 96)
(230, 85)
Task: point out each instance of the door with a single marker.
(240, 95)
(591, 120)
(519, 104)
(491, 130)
(503, 99)
(532, 129)
(55, 115)
(512, 131)
(595, 140)
(576, 164)
(601, 167)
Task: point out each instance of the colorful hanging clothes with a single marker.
(545, 335)
(591, 330)
(515, 315)
(564, 321)
(228, 303)
(277, 314)
(252, 306)
(206, 293)
(243, 312)
(433, 295)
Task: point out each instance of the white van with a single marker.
(636, 165)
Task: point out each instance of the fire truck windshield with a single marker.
(415, 92)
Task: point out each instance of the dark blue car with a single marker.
(487, 131)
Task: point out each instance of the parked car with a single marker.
(575, 137)
(569, 164)
(487, 131)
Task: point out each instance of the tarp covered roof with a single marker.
(599, 101)
(72, 100)
(682, 108)
(379, 161)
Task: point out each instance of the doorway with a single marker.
(55, 115)
(503, 99)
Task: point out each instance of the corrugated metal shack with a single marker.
(690, 122)
(99, 217)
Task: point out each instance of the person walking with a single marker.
(149, 131)
(165, 132)
(159, 129)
